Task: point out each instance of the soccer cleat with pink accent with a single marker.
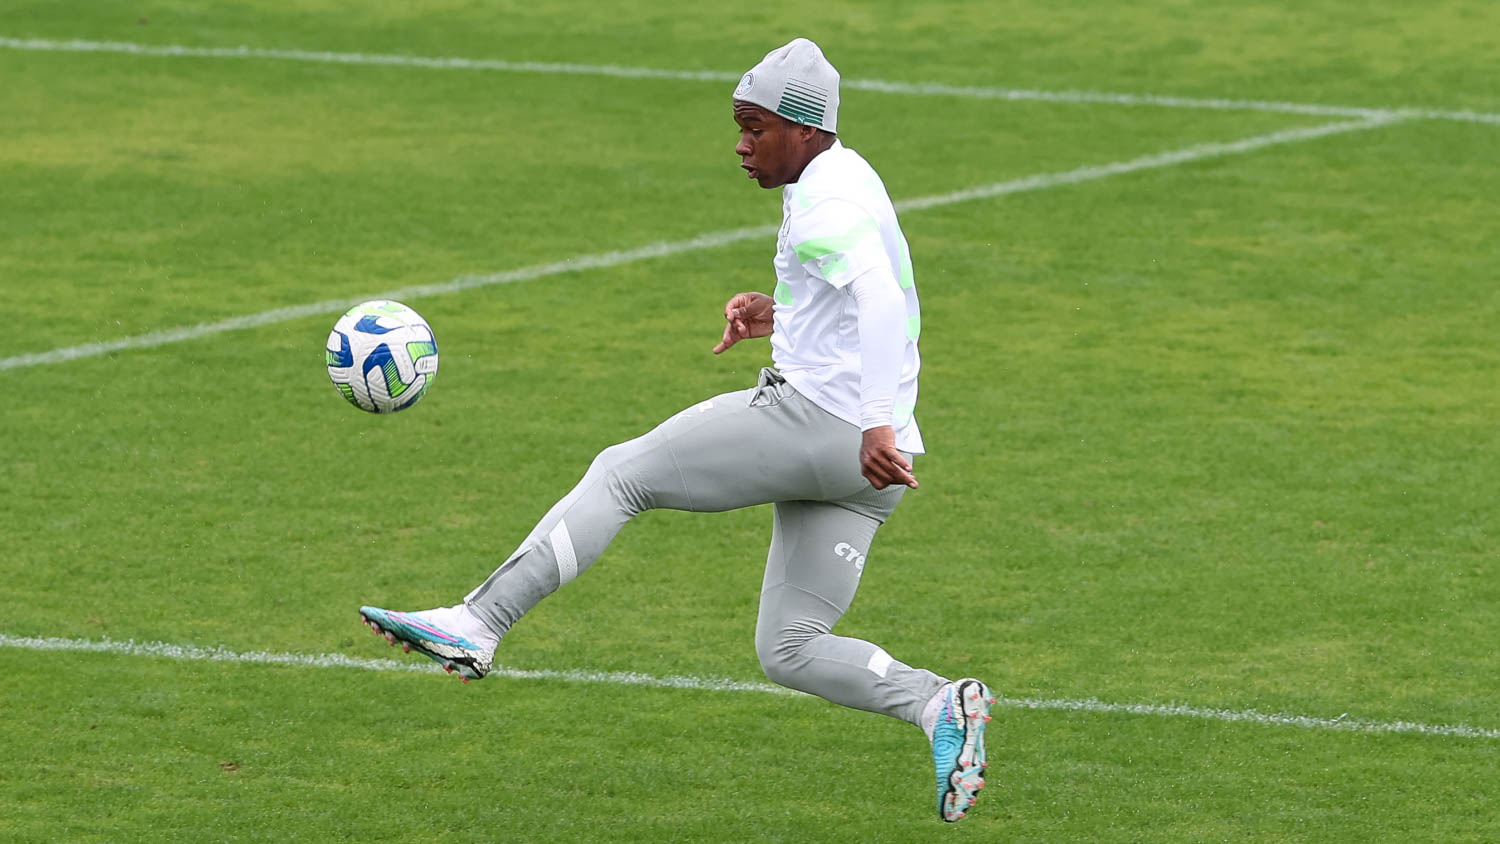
(424, 633)
(958, 746)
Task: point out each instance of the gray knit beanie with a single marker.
(796, 82)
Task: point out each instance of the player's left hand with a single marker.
(881, 462)
(748, 315)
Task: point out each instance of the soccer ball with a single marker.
(382, 356)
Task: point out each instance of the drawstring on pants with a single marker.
(769, 389)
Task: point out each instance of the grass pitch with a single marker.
(1219, 433)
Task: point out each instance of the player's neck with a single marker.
(819, 145)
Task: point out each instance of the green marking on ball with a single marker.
(393, 385)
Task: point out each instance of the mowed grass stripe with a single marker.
(710, 240)
(194, 653)
(922, 89)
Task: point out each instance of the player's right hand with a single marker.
(748, 315)
(881, 462)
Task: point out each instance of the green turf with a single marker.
(1219, 434)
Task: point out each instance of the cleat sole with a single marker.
(966, 779)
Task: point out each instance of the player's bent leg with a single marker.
(812, 572)
(817, 557)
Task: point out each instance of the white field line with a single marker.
(622, 678)
(705, 241)
(921, 89)
(332, 306)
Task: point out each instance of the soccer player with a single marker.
(826, 437)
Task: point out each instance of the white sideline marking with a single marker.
(924, 89)
(194, 653)
(1250, 716)
(625, 678)
(710, 240)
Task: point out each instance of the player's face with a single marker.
(770, 147)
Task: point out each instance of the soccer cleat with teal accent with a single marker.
(958, 746)
(417, 631)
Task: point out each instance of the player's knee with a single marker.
(624, 485)
(611, 459)
(779, 666)
(780, 650)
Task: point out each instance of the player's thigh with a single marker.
(725, 453)
(818, 550)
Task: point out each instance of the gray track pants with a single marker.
(763, 445)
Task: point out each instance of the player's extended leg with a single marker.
(817, 556)
(735, 450)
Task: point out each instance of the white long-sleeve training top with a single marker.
(847, 317)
